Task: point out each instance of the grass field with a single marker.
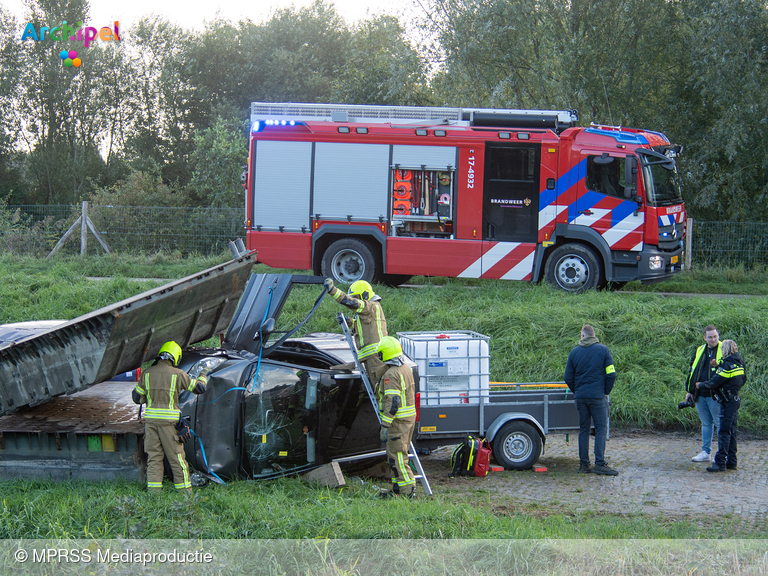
(531, 328)
(290, 508)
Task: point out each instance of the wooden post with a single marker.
(84, 223)
(84, 230)
(688, 243)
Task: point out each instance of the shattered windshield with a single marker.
(280, 420)
(661, 180)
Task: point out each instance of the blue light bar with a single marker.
(259, 125)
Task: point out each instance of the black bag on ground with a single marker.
(464, 457)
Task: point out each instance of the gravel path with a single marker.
(656, 476)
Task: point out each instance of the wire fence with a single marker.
(36, 229)
(729, 243)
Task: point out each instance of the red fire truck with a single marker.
(386, 192)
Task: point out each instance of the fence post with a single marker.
(85, 223)
(84, 230)
(688, 243)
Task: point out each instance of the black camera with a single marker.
(687, 404)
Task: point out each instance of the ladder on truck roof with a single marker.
(412, 454)
(557, 120)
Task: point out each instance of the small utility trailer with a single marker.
(456, 398)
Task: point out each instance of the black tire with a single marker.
(574, 268)
(395, 279)
(348, 260)
(517, 446)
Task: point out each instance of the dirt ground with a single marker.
(656, 476)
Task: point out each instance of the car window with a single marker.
(280, 420)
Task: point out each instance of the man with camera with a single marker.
(704, 365)
(725, 386)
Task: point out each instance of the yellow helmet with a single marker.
(361, 290)
(173, 350)
(388, 348)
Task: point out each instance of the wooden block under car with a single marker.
(328, 476)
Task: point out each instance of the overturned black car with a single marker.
(273, 405)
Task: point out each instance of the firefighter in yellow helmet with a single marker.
(164, 431)
(369, 324)
(397, 409)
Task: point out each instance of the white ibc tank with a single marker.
(454, 367)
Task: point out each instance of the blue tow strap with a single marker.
(253, 383)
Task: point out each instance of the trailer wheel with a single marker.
(517, 446)
(348, 260)
(574, 268)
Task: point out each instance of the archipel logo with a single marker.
(61, 33)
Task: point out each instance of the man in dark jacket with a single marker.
(725, 384)
(704, 364)
(590, 375)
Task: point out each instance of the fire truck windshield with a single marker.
(661, 180)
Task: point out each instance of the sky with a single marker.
(193, 13)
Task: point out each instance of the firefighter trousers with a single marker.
(398, 443)
(160, 439)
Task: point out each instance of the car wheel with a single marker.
(574, 268)
(517, 446)
(348, 260)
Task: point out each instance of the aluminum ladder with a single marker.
(421, 476)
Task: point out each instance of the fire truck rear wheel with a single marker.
(348, 260)
(517, 446)
(574, 268)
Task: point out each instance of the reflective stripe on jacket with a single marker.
(695, 368)
(370, 324)
(730, 375)
(397, 395)
(160, 386)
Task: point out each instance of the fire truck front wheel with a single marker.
(574, 268)
(348, 260)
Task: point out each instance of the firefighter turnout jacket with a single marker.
(695, 374)
(397, 410)
(159, 388)
(397, 395)
(369, 327)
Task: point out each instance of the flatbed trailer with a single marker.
(94, 434)
(514, 418)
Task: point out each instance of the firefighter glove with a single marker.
(328, 284)
(342, 319)
(383, 434)
(183, 431)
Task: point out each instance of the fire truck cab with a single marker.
(382, 193)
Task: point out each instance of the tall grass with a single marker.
(290, 508)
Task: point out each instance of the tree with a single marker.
(382, 67)
(220, 153)
(159, 137)
(11, 184)
(724, 109)
(65, 113)
(607, 58)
